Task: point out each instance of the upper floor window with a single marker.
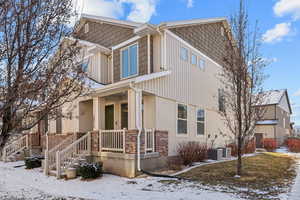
(184, 53)
(194, 59)
(84, 66)
(181, 119)
(200, 121)
(129, 61)
(221, 100)
(201, 64)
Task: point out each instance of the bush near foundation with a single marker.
(192, 152)
(270, 144)
(248, 148)
(31, 163)
(90, 170)
(293, 144)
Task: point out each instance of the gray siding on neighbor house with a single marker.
(207, 38)
(142, 59)
(107, 35)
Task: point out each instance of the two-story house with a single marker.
(275, 122)
(158, 86)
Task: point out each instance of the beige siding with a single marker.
(269, 112)
(189, 85)
(267, 130)
(99, 68)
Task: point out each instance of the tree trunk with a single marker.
(239, 161)
(6, 127)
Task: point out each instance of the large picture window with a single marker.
(129, 57)
(200, 122)
(181, 119)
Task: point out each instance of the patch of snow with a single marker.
(33, 184)
(267, 122)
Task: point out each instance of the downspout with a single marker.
(161, 48)
(138, 124)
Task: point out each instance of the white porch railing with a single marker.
(112, 140)
(149, 140)
(15, 147)
(78, 149)
(50, 155)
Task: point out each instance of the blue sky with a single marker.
(279, 22)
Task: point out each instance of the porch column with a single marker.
(134, 109)
(98, 113)
(131, 109)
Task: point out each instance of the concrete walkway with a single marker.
(295, 193)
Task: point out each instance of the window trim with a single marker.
(187, 54)
(86, 28)
(187, 125)
(193, 54)
(121, 63)
(201, 60)
(204, 122)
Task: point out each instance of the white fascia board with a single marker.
(151, 76)
(111, 20)
(190, 22)
(133, 39)
(191, 47)
(127, 82)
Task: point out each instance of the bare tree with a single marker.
(38, 71)
(242, 75)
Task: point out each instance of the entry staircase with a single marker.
(67, 154)
(10, 151)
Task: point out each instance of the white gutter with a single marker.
(138, 111)
(149, 52)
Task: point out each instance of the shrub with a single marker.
(270, 144)
(192, 152)
(175, 163)
(249, 147)
(293, 145)
(90, 170)
(31, 163)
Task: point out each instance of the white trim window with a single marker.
(181, 119)
(200, 122)
(201, 64)
(84, 66)
(86, 28)
(129, 61)
(184, 53)
(193, 59)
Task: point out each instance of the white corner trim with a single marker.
(133, 39)
(191, 47)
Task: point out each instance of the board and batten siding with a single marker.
(187, 83)
(99, 68)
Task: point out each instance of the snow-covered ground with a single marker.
(18, 183)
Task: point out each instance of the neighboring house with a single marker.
(160, 87)
(276, 120)
(296, 131)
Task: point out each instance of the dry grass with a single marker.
(270, 173)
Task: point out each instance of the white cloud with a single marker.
(190, 3)
(105, 8)
(141, 10)
(297, 93)
(284, 7)
(277, 33)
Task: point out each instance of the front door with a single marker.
(259, 140)
(124, 115)
(109, 117)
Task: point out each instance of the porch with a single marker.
(117, 149)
